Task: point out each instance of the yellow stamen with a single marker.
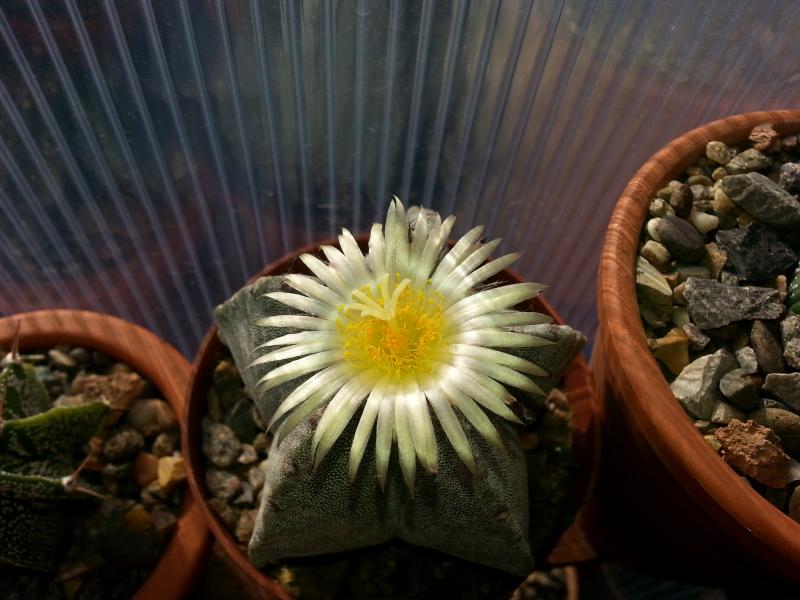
(396, 332)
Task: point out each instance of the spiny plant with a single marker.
(38, 474)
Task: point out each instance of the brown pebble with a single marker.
(171, 471)
(754, 451)
(119, 389)
(763, 136)
(145, 468)
(137, 518)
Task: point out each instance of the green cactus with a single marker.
(40, 449)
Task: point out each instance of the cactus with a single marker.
(793, 293)
(38, 470)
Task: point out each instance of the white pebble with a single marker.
(703, 222)
(653, 227)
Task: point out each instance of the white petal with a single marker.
(473, 413)
(450, 282)
(499, 358)
(491, 300)
(502, 374)
(295, 351)
(342, 266)
(450, 424)
(507, 318)
(384, 433)
(354, 255)
(484, 391)
(433, 248)
(421, 426)
(300, 338)
(485, 272)
(405, 443)
(396, 238)
(302, 411)
(376, 257)
(328, 275)
(328, 379)
(304, 303)
(310, 286)
(338, 414)
(297, 368)
(462, 248)
(498, 338)
(364, 429)
(296, 322)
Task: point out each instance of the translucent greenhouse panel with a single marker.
(154, 155)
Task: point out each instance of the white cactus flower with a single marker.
(399, 331)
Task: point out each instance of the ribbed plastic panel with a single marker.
(154, 155)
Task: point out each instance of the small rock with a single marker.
(245, 497)
(116, 472)
(697, 271)
(780, 285)
(228, 514)
(755, 252)
(150, 415)
(719, 173)
(163, 522)
(767, 347)
(789, 142)
(738, 387)
(245, 525)
(171, 471)
(118, 389)
(748, 161)
(721, 203)
(120, 367)
(728, 278)
(220, 445)
(61, 359)
(682, 240)
(222, 485)
(248, 455)
(655, 295)
(718, 152)
(790, 333)
(785, 424)
(137, 518)
(724, 413)
(764, 199)
(681, 200)
(653, 228)
(680, 316)
(123, 443)
(703, 221)
(256, 476)
(715, 260)
(785, 387)
(794, 505)
(704, 426)
(165, 444)
(697, 387)
(656, 254)
(790, 177)
(697, 339)
(746, 357)
(260, 443)
(753, 450)
(762, 137)
(673, 350)
(145, 469)
(712, 304)
(80, 355)
(660, 208)
(712, 441)
(699, 179)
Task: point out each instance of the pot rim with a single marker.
(583, 398)
(177, 568)
(653, 410)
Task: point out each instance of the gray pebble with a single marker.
(746, 357)
(785, 424)
(712, 304)
(785, 387)
(245, 497)
(724, 413)
(764, 199)
(164, 444)
(790, 333)
(766, 344)
(80, 355)
(718, 152)
(681, 201)
(697, 339)
(123, 443)
(682, 240)
(738, 387)
(755, 252)
(220, 445)
(697, 386)
(222, 485)
(747, 161)
(790, 177)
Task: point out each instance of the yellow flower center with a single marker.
(392, 330)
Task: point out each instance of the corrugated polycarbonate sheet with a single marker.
(154, 155)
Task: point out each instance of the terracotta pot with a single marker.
(156, 361)
(578, 386)
(664, 499)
